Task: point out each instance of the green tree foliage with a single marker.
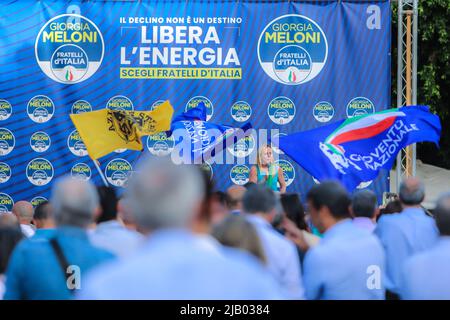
(433, 86)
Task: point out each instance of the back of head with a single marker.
(394, 206)
(294, 209)
(108, 204)
(43, 211)
(74, 202)
(412, 192)
(442, 214)
(259, 199)
(234, 231)
(9, 220)
(235, 194)
(9, 238)
(332, 195)
(164, 195)
(23, 211)
(364, 204)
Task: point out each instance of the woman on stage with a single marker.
(267, 172)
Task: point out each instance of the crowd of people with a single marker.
(172, 235)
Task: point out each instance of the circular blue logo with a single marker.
(39, 171)
(37, 201)
(281, 110)
(292, 49)
(288, 171)
(118, 171)
(159, 144)
(323, 111)
(241, 111)
(76, 144)
(81, 106)
(360, 106)
(5, 172)
(156, 103)
(240, 174)
(193, 102)
(81, 171)
(121, 103)
(243, 147)
(6, 203)
(7, 141)
(69, 48)
(40, 141)
(40, 109)
(5, 109)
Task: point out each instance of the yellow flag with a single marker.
(106, 130)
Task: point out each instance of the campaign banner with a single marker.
(285, 65)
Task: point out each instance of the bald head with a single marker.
(8, 220)
(74, 202)
(412, 191)
(23, 210)
(235, 194)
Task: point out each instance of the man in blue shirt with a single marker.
(348, 262)
(260, 205)
(110, 234)
(34, 271)
(426, 275)
(405, 234)
(364, 209)
(166, 201)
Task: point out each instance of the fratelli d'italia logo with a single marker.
(7, 141)
(5, 109)
(281, 110)
(76, 144)
(193, 102)
(40, 141)
(6, 203)
(118, 171)
(240, 174)
(5, 172)
(243, 147)
(81, 171)
(81, 106)
(160, 144)
(323, 111)
(40, 109)
(241, 111)
(39, 171)
(120, 103)
(292, 49)
(288, 171)
(69, 48)
(37, 201)
(360, 106)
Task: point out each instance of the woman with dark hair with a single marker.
(294, 210)
(9, 238)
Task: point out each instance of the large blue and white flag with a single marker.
(356, 149)
(198, 141)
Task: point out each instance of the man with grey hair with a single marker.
(23, 210)
(405, 234)
(175, 262)
(54, 267)
(364, 209)
(426, 275)
(260, 205)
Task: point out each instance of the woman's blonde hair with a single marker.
(234, 231)
(261, 152)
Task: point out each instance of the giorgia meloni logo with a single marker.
(160, 144)
(118, 171)
(7, 141)
(69, 48)
(240, 174)
(5, 172)
(76, 144)
(292, 49)
(6, 203)
(40, 171)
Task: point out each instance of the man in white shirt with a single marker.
(23, 210)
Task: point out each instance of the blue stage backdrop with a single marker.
(289, 65)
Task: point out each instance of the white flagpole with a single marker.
(100, 172)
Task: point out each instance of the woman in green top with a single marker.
(267, 172)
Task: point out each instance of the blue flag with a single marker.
(198, 141)
(355, 150)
